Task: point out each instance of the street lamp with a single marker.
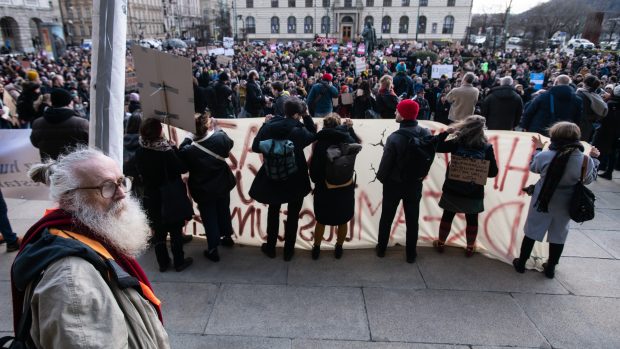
(417, 21)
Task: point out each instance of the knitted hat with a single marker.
(408, 109)
(60, 98)
(32, 75)
(134, 97)
(328, 77)
(401, 67)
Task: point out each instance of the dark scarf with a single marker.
(62, 219)
(161, 144)
(555, 171)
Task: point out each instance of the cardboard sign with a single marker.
(346, 98)
(391, 59)
(202, 50)
(469, 170)
(228, 42)
(442, 69)
(335, 102)
(165, 85)
(223, 60)
(216, 51)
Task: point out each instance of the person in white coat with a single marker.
(560, 169)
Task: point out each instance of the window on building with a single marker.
(309, 3)
(292, 25)
(386, 25)
(423, 3)
(403, 25)
(348, 3)
(308, 25)
(325, 25)
(405, 3)
(274, 3)
(422, 25)
(370, 3)
(275, 25)
(451, 2)
(434, 28)
(325, 3)
(249, 3)
(370, 20)
(448, 25)
(387, 3)
(291, 3)
(250, 25)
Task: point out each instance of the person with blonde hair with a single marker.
(334, 203)
(468, 141)
(386, 98)
(560, 168)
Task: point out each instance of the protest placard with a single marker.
(229, 52)
(537, 79)
(166, 91)
(216, 51)
(442, 69)
(360, 65)
(469, 170)
(223, 60)
(346, 98)
(202, 50)
(361, 49)
(391, 59)
(228, 42)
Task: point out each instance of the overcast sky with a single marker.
(493, 6)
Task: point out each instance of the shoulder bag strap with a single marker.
(584, 167)
(195, 144)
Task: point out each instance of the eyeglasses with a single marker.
(108, 188)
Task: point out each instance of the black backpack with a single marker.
(279, 157)
(418, 158)
(340, 165)
(582, 202)
(211, 97)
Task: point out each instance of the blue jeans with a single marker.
(215, 215)
(5, 225)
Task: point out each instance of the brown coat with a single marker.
(463, 100)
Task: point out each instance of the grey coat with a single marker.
(555, 222)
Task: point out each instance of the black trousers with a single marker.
(290, 228)
(176, 244)
(410, 194)
(215, 215)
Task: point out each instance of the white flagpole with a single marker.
(107, 86)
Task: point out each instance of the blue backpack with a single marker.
(279, 155)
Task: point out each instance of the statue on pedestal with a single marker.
(370, 38)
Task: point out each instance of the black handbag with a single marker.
(175, 204)
(582, 202)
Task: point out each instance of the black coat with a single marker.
(200, 99)
(254, 99)
(264, 189)
(609, 132)
(157, 168)
(331, 206)
(469, 190)
(223, 101)
(442, 111)
(502, 108)
(538, 117)
(386, 105)
(209, 178)
(58, 130)
(360, 105)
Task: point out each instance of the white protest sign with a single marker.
(228, 42)
(217, 51)
(360, 65)
(442, 69)
(229, 52)
(165, 85)
(202, 50)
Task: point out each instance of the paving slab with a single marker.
(6, 261)
(605, 219)
(186, 308)
(240, 264)
(356, 268)
(459, 317)
(187, 341)
(603, 185)
(328, 344)
(579, 244)
(605, 199)
(590, 277)
(27, 209)
(574, 322)
(6, 307)
(608, 240)
(487, 347)
(451, 270)
(290, 312)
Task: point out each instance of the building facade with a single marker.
(20, 22)
(344, 19)
(183, 18)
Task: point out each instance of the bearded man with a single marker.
(75, 281)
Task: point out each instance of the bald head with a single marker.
(562, 80)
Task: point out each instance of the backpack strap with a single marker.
(552, 104)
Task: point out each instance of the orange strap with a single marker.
(147, 292)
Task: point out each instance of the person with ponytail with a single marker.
(560, 168)
(386, 99)
(468, 141)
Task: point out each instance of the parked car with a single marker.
(514, 41)
(150, 43)
(87, 44)
(609, 45)
(580, 44)
(257, 43)
(554, 43)
(174, 43)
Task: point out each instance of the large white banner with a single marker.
(500, 226)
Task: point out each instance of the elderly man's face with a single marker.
(94, 173)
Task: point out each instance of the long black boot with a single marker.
(555, 251)
(526, 250)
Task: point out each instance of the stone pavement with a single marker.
(360, 301)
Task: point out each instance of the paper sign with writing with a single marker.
(228, 42)
(361, 49)
(442, 69)
(469, 170)
(346, 98)
(202, 50)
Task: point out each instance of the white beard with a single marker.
(124, 225)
